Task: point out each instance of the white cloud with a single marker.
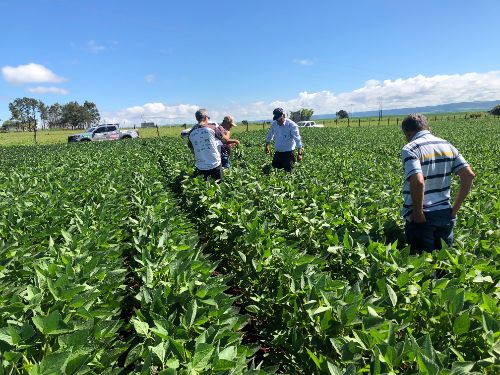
(48, 90)
(154, 112)
(94, 47)
(304, 62)
(29, 73)
(149, 78)
(399, 93)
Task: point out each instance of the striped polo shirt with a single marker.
(436, 159)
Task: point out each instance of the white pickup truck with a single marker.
(107, 132)
(309, 124)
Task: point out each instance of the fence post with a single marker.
(348, 122)
(263, 123)
(387, 120)
(157, 130)
(369, 121)
(435, 118)
(35, 133)
(359, 121)
(397, 121)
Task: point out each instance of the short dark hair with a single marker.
(201, 114)
(414, 123)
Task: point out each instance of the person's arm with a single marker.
(417, 186)
(300, 152)
(298, 140)
(466, 176)
(269, 138)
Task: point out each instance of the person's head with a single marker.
(279, 115)
(414, 123)
(228, 122)
(202, 115)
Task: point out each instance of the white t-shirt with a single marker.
(204, 140)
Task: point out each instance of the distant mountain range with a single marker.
(443, 108)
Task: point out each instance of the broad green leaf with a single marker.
(53, 363)
(392, 295)
(202, 355)
(348, 313)
(142, 328)
(457, 303)
(172, 363)
(160, 351)
(461, 324)
(50, 324)
(427, 365)
(228, 353)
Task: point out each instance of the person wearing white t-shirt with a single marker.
(203, 142)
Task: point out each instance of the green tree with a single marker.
(74, 115)
(25, 111)
(44, 113)
(54, 115)
(342, 114)
(93, 113)
(495, 110)
(303, 114)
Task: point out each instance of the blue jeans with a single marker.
(427, 236)
(225, 161)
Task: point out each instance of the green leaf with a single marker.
(52, 363)
(50, 324)
(228, 353)
(457, 303)
(252, 309)
(427, 365)
(461, 324)
(191, 313)
(314, 358)
(489, 303)
(462, 368)
(142, 328)
(202, 355)
(392, 295)
(172, 363)
(403, 279)
(160, 351)
(348, 313)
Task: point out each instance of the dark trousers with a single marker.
(215, 173)
(427, 236)
(284, 160)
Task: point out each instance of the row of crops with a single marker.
(113, 259)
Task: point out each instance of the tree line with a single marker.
(28, 114)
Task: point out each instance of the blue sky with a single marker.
(161, 60)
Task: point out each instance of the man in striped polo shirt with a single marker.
(428, 163)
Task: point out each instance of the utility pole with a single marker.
(379, 109)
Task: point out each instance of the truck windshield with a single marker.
(89, 130)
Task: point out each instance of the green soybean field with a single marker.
(114, 259)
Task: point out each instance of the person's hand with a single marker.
(418, 217)
(299, 157)
(266, 150)
(454, 212)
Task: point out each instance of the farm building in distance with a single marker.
(148, 125)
